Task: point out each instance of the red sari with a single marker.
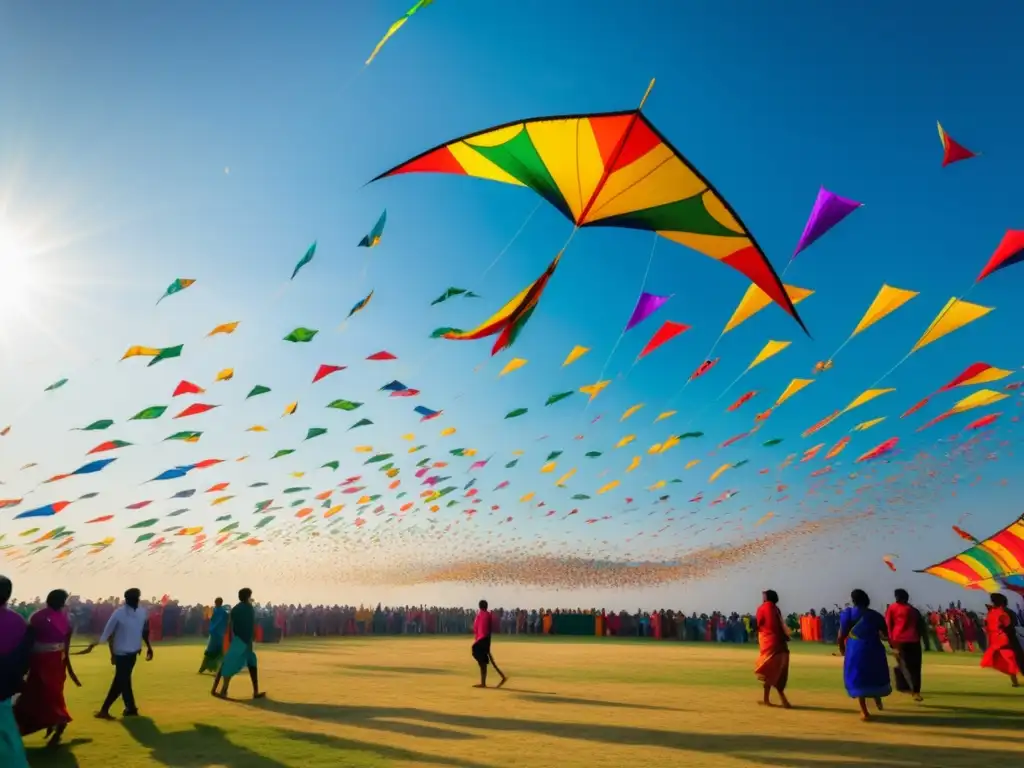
(41, 705)
(1004, 651)
(772, 666)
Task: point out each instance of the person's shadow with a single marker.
(192, 748)
(55, 757)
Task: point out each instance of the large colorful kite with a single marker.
(612, 169)
(991, 565)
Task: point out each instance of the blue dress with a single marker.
(865, 666)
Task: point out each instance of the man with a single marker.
(240, 653)
(15, 650)
(482, 645)
(126, 631)
(215, 646)
(903, 622)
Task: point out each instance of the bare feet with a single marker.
(220, 695)
(865, 717)
(260, 695)
(504, 680)
(765, 704)
(918, 697)
(479, 685)
(786, 705)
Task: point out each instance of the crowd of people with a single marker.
(36, 656)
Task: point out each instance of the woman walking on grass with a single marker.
(865, 669)
(772, 667)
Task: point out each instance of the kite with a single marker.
(301, 335)
(225, 375)
(953, 316)
(137, 351)
(668, 331)
(426, 413)
(97, 425)
(452, 293)
(167, 353)
(879, 450)
(259, 389)
(382, 355)
(575, 354)
(326, 370)
(703, 368)
(559, 396)
(375, 234)
(344, 405)
(976, 373)
(771, 349)
(224, 328)
(646, 305)
(1009, 252)
(290, 409)
(610, 169)
(952, 151)
(315, 432)
(829, 209)
(176, 287)
(595, 389)
(395, 27)
(187, 388)
(56, 385)
(45, 511)
(283, 452)
(888, 560)
(508, 322)
(195, 409)
(110, 445)
(991, 565)
(86, 469)
(185, 437)
(979, 399)
(360, 305)
(516, 413)
(308, 257)
(984, 421)
(754, 300)
(512, 365)
(887, 301)
(742, 399)
(153, 412)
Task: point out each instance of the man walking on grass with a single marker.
(482, 646)
(126, 631)
(240, 653)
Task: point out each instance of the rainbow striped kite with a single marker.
(995, 564)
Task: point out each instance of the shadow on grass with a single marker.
(396, 670)
(55, 757)
(380, 750)
(762, 749)
(202, 746)
(554, 698)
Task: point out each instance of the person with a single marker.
(15, 645)
(41, 705)
(903, 623)
(865, 669)
(126, 631)
(482, 645)
(240, 653)
(772, 667)
(214, 653)
(1003, 653)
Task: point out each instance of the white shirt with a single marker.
(125, 625)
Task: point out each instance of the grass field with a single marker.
(584, 702)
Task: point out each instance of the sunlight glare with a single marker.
(18, 279)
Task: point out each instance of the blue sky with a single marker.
(118, 125)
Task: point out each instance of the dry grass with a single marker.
(589, 702)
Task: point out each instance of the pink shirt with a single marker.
(50, 626)
(482, 625)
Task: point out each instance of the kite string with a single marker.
(622, 334)
(515, 237)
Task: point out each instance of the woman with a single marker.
(865, 669)
(1004, 652)
(214, 653)
(772, 667)
(903, 623)
(42, 699)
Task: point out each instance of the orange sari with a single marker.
(772, 666)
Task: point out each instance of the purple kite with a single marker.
(829, 209)
(646, 306)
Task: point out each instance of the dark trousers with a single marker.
(121, 687)
(910, 656)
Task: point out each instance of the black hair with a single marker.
(6, 590)
(132, 597)
(244, 594)
(771, 596)
(902, 596)
(998, 599)
(219, 602)
(860, 598)
(56, 599)
(483, 605)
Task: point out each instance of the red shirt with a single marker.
(901, 619)
(482, 625)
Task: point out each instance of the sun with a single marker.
(19, 281)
